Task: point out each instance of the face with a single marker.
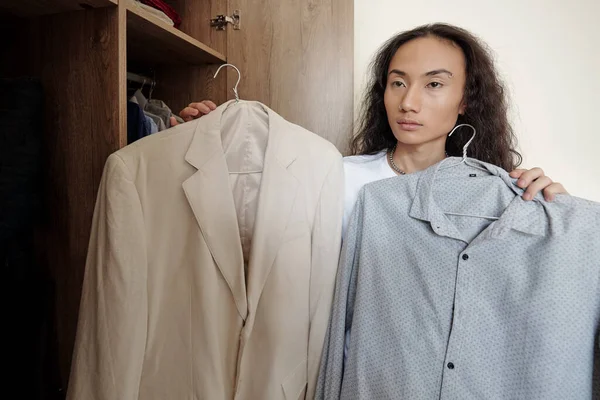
(424, 91)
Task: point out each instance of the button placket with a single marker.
(456, 340)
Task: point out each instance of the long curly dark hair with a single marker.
(485, 97)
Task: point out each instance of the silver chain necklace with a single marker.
(393, 164)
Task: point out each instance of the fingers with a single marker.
(210, 105)
(201, 107)
(552, 190)
(516, 174)
(197, 110)
(189, 114)
(535, 181)
(536, 186)
(527, 177)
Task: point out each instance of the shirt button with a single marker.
(465, 257)
(450, 365)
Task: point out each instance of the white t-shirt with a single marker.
(360, 170)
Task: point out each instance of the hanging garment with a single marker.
(148, 125)
(160, 124)
(160, 108)
(439, 306)
(168, 310)
(166, 8)
(157, 13)
(139, 98)
(178, 118)
(155, 109)
(152, 127)
(136, 123)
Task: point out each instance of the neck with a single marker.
(413, 158)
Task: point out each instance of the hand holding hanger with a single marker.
(195, 110)
(198, 109)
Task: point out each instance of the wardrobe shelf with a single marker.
(151, 40)
(34, 8)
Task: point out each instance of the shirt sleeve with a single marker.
(112, 327)
(331, 374)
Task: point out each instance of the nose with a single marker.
(411, 100)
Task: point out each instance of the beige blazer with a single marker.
(167, 311)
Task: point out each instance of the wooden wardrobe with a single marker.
(295, 56)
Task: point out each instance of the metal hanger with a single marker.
(473, 215)
(465, 148)
(152, 86)
(235, 89)
(466, 161)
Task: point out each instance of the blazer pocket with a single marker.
(294, 385)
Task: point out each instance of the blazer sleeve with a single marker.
(111, 334)
(326, 243)
(329, 383)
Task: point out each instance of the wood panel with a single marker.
(153, 41)
(297, 58)
(195, 21)
(84, 113)
(122, 72)
(31, 8)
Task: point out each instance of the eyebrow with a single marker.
(439, 71)
(430, 73)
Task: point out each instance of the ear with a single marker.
(462, 108)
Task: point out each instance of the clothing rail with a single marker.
(140, 79)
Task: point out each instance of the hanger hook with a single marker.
(235, 89)
(466, 146)
(152, 86)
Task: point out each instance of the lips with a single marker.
(409, 124)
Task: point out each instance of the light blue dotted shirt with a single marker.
(442, 306)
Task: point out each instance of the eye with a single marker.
(435, 85)
(397, 84)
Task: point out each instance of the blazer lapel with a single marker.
(211, 200)
(276, 198)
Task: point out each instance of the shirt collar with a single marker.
(526, 217)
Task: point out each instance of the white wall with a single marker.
(548, 52)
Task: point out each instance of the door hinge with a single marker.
(221, 21)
